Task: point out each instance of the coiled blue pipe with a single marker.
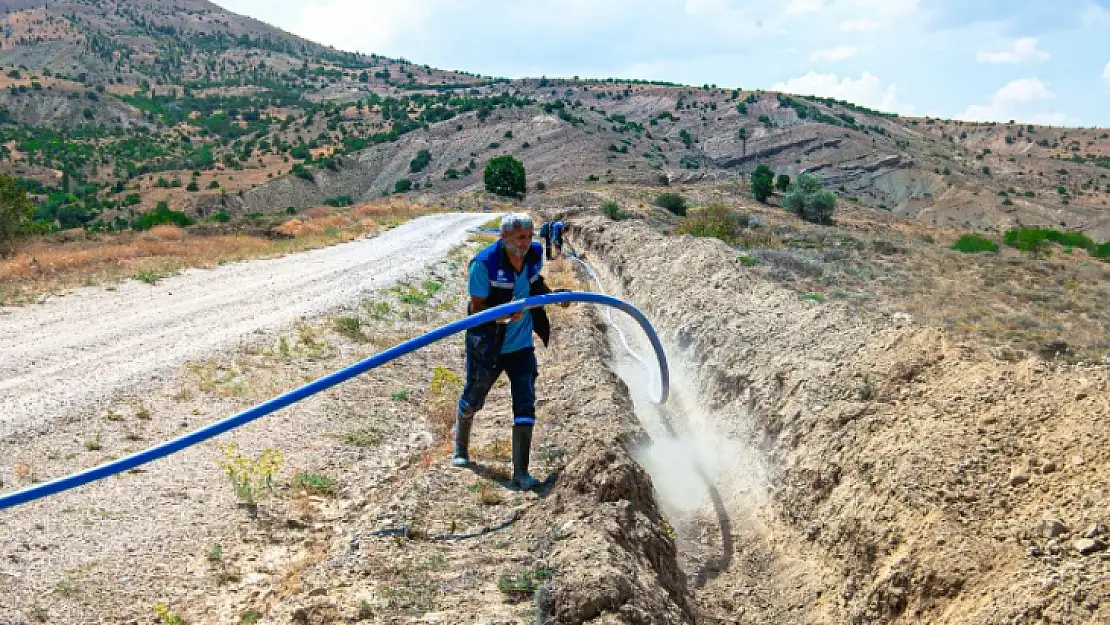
(61, 484)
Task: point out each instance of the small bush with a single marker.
(673, 202)
(522, 585)
(613, 211)
(974, 244)
(162, 215)
(541, 186)
(715, 220)
(809, 201)
(423, 158)
(302, 173)
(1035, 241)
(350, 327)
(251, 477)
(339, 201)
(404, 185)
(313, 484)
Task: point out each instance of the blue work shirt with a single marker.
(518, 334)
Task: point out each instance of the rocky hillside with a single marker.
(111, 108)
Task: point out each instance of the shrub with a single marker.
(220, 217)
(505, 176)
(763, 183)
(974, 244)
(809, 201)
(402, 186)
(162, 215)
(423, 158)
(215, 184)
(192, 186)
(715, 220)
(783, 182)
(302, 173)
(1035, 241)
(673, 202)
(613, 211)
(339, 201)
(16, 211)
(251, 477)
(450, 174)
(541, 186)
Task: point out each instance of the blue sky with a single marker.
(1034, 61)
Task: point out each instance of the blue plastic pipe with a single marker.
(61, 484)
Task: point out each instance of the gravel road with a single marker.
(71, 354)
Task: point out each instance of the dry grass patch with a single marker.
(49, 265)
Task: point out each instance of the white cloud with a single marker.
(867, 90)
(833, 55)
(1106, 74)
(1007, 103)
(859, 25)
(1024, 50)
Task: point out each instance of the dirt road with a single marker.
(70, 354)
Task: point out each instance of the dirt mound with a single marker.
(622, 559)
(914, 479)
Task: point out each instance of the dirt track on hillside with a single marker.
(71, 354)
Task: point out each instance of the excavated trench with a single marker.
(709, 477)
(823, 464)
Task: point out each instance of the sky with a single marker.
(1034, 61)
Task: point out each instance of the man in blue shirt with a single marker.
(557, 229)
(505, 271)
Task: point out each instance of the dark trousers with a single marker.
(481, 373)
(547, 246)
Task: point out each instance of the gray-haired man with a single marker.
(505, 271)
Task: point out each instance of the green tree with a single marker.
(782, 183)
(763, 182)
(809, 200)
(423, 158)
(402, 186)
(16, 211)
(504, 176)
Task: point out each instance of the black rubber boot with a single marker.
(461, 457)
(522, 448)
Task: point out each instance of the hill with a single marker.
(110, 108)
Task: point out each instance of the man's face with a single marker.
(517, 241)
